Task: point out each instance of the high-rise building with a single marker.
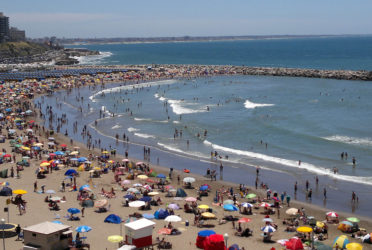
(4, 27)
(17, 35)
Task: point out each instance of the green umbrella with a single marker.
(353, 219)
(18, 145)
(250, 196)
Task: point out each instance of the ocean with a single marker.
(349, 52)
(294, 129)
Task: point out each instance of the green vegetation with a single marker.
(21, 49)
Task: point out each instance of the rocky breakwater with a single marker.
(69, 56)
(362, 75)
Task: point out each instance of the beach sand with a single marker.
(37, 210)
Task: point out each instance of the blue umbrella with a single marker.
(82, 159)
(113, 218)
(83, 229)
(73, 210)
(205, 233)
(74, 159)
(146, 199)
(268, 229)
(70, 172)
(148, 216)
(230, 207)
(203, 188)
(57, 222)
(85, 187)
(160, 176)
(59, 153)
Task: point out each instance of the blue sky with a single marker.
(145, 18)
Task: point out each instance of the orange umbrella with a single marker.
(244, 220)
(164, 230)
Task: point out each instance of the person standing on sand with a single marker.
(325, 193)
(295, 188)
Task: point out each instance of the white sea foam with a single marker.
(350, 140)
(144, 135)
(291, 163)
(116, 126)
(251, 105)
(130, 129)
(176, 122)
(93, 59)
(180, 107)
(131, 86)
(174, 149)
(142, 119)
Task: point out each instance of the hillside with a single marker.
(20, 49)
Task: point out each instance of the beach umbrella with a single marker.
(85, 188)
(244, 220)
(59, 153)
(348, 223)
(137, 203)
(191, 199)
(73, 210)
(63, 146)
(268, 229)
(189, 179)
(354, 246)
(228, 202)
(115, 238)
(147, 187)
(173, 218)
(148, 216)
(203, 188)
(4, 183)
(128, 196)
(353, 219)
(137, 185)
(142, 177)
(57, 222)
(230, 207)
(74, 153)
(50, 191)
(294, 244)
(320, 224)
(113, 218)
(246, 204)
(292, 211)
(165, 231)
(153, 193)
(125, 182)
(341, 241)
(70, 172)
(173, 206)
(83, 229)
(125, 160)
(206, 233)
(332, 214)
(19, 191)
(304, 229)
(133, 190)
(101, 203)
(161, 214)
(203, 206)
(160, 176)
(45, 164)
(82, 159)
(250, 196)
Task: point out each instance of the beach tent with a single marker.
(139, 232)
(6, 191)
(4, 173)
(294, 244)
(181, 193)
(87, 203)
(71, 172)
(214, 242)
(113, 218)
(161, 214)
(341, 241)
(202, 235)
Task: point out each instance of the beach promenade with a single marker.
(44, 156)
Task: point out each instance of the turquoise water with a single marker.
(319, 53)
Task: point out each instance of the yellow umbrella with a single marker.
(97, 168)
(115, 238)
(208, 215)
(38, 144)
(304, 229)
(105, 152)
(19, 191)
(25, 148)
(74, 153)
(203, 206)
(319, 224)
(142, 177)
(153, 193)
(44, 164)
(111, 161)
(354, 246)
(81, 168)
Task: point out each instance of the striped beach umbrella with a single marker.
(332, 214)
(341, 241)
(268, 229)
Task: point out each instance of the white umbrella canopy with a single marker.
(189, 179)
(173, 218)
(137, 203)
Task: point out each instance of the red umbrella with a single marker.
(7, 156)
(164, 230)
(244, 220)
(332, 214)
(294, 244)
(63, 145)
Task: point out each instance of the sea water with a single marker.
(349, 52)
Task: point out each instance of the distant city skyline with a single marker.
(166, 18)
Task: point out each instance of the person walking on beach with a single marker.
(35, 186)
(353, 196)
(307, 185)
(295, 188)
(309, 195)
(82, 211)
(324, 193)
(18, 231)
(63, 186)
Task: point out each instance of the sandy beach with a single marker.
(37, 210)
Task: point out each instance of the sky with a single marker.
(145, 18)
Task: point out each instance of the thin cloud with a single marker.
(57, 17)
